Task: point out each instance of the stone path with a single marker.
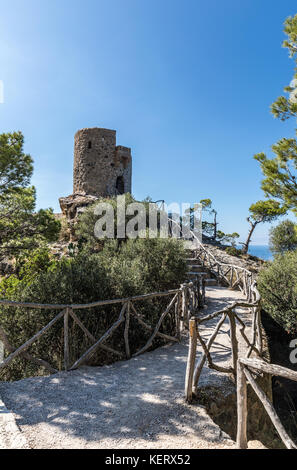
(130, 404)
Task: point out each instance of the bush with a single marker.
(283, 237)
(84, 228)
(137, 267)
(277, 284)
(231, 250)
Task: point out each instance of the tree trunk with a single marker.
(245, 245)
(215, 227)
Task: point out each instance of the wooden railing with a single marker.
(241, 278)
(244, 374)
(229, 313)
(233, 276)
(184, 301)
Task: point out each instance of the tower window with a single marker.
(89, 144)
(120, 185)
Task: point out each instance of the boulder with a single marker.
(74, 205)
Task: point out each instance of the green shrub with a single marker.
(136, 267)
(283, 237)
(84, 228)
(231, 250)
(278, 287)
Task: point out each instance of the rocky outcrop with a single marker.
(76, 203)
(72, 206)
(251, 263)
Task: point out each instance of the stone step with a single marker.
(208, 281)
(195, 273)
(196, 268)
(193, 261)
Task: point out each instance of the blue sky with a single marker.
(186, 84)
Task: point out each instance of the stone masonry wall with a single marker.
(100, 167)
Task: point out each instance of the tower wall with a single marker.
(100, 167)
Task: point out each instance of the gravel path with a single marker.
(130, 404)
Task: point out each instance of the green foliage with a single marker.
(231, 250)
(16, 167)
(261, 212)
(207, 228)
(291, 31)
(86, 223)
(266, 211)
(228, 238)
(206, 203)
(28, 267)
(20, 227)
(284, 108)
(280, 172)
(283, 237)
(277, 284)
(136, 267)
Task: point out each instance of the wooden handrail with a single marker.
(249, 288)
(12, 303)
(244, 375)
(191, 292)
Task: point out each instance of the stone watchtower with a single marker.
(101, 168)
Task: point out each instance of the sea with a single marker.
(261, 251)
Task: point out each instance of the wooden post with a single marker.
(270, 411)
(233, 339)
(231, 278)
(126, 331)
(195, 293)
(184, 311)
(191, 359)
(241, 439)
(199, 292)
(1, 351)
(203, 290)
(249, 292)
(244, 284)
(259, 331)
(179, 313)
(66, 339)
(254, 331)
(187, 311)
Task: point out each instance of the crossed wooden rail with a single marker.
(193, 371)
(236, 277)
(185, 301)
(242, 368)
(231, 275)
(244, 374)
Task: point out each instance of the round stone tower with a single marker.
(101, 168)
